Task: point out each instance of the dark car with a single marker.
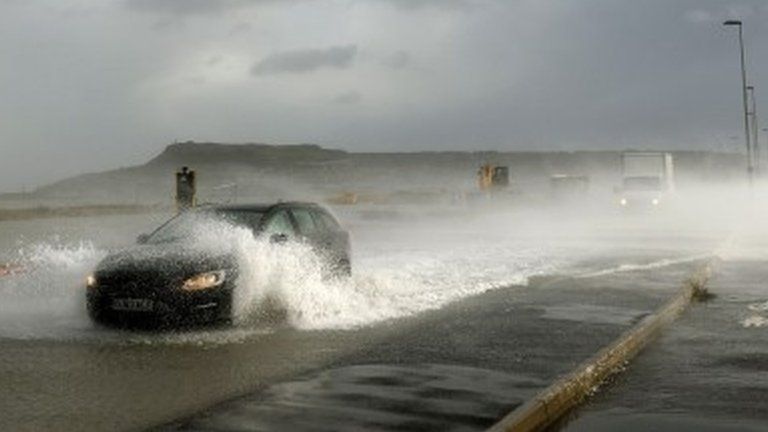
(170, 279)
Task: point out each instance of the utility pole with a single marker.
(755, 142)
(765, 132)
(750, 168)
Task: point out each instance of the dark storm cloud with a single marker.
(196, 7)
(94, 87)
(415, 4)
(307, 60)
(184, 7)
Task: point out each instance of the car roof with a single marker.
(258, 208)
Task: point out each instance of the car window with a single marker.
(279, 223)
(325, 220)
(248, 219)
(304, 220)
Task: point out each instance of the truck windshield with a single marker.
(642, 184)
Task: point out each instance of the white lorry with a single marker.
(647, 179)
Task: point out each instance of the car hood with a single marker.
(173, 259)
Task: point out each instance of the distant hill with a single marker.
(192, 153)
(307, 171)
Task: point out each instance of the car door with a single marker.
(335, 239)
(308, 230)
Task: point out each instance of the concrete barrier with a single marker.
(551, 404)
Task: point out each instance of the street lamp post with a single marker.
(744, 96)
(755, 142)
(765, 132)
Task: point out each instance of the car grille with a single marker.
(145, 283)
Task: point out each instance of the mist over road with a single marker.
(446, 306)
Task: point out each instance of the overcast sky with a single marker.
(89, 85)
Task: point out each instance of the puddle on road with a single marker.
(377, 397)
(628, 421)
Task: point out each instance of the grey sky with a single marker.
(88, 85)
(306, 60)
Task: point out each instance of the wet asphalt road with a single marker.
(708, 372)
(475, 360)
(459, 368)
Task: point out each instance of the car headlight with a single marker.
(655, 201)
(91, 281)
(205, 280)
(623, 201)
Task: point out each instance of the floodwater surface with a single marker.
(516, 294)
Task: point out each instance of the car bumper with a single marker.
(169, 309)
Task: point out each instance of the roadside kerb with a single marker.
(551, 404)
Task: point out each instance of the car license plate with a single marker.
(133, 304)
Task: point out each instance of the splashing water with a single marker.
(389, 281)
(292, 279)
(755, 321)
(623, 268)
(758, 307)
(51, 271)
(398, 270)
(47, 296)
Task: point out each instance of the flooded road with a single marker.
(462, 314)
(459, 368)
(708, 372)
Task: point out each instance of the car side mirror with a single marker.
(142, 238)
(278, 238)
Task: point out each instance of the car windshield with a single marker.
(187, 226)
(642, 184)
